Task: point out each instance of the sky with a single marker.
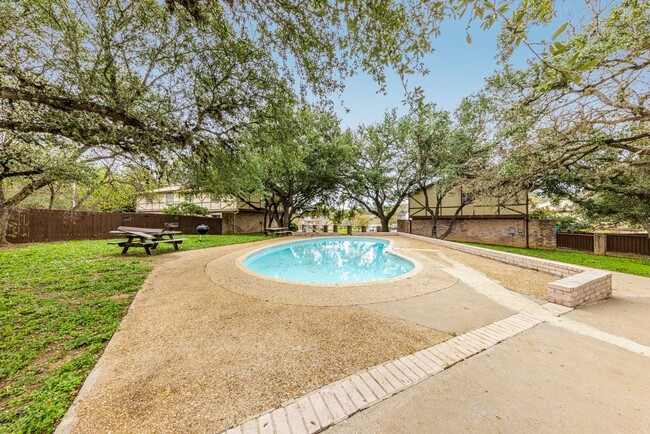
(457, 69)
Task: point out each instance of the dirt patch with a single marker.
(194, 357)
(522, 280)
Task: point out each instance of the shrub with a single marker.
(185, 208)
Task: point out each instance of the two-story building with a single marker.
(238, 216)
(501, 220)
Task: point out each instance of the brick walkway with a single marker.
(331, 404)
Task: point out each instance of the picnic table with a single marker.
(278, 231)
(146, 238)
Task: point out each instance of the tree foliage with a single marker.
(575, 122)
(291, 162)
(451, 153)
(185, 208)
(28, 165)
(383, 170)
(127, 75)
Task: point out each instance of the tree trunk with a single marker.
(4, 216)
(452, 222)
(427, 209)
(286, 214)
(50, 205)
(645, 223)
(384, 223)
(435, 215)
(4, 224)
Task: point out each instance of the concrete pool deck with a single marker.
(197, 353)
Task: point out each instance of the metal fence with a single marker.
(41, 225)
(637, 244)
(575, 241)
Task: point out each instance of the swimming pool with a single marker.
(330, 261)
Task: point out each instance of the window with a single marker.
(189, 198)
(169, 198)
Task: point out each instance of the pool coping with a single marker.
(418, 267)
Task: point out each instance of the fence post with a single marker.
(600, 243)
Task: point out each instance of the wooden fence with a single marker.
(575, 241)
(638, 244)
(41, 225)
(622, 244)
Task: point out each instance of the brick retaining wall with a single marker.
(580, 284)
(591, 285)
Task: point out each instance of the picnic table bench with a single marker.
(147, 238)
(278, 231)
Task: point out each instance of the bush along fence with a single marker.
(41, 225)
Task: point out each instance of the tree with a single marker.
(118, 183)
(145, 75)
(28, 164)
(601, 190)
(452, 153)
(434, 157)
(127, 75)
(575, 122)
(290, 162)
(187, 73)
(383, 171)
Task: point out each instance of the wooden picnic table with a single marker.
(146, 238)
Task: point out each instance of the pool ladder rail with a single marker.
(308, 231)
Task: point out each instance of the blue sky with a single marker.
(457, 69)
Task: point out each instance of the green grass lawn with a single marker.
(639, 267)
(60, 303)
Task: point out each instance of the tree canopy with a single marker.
(217, 83)
(290, 162)
(575, 122)
(383, 170)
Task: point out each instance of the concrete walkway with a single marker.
(585, 372)
(546, 380)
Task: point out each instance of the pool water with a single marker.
(335, 260)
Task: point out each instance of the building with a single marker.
(563, 207)
(490, 220)
(238, 216)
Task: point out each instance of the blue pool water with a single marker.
(343, 260)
